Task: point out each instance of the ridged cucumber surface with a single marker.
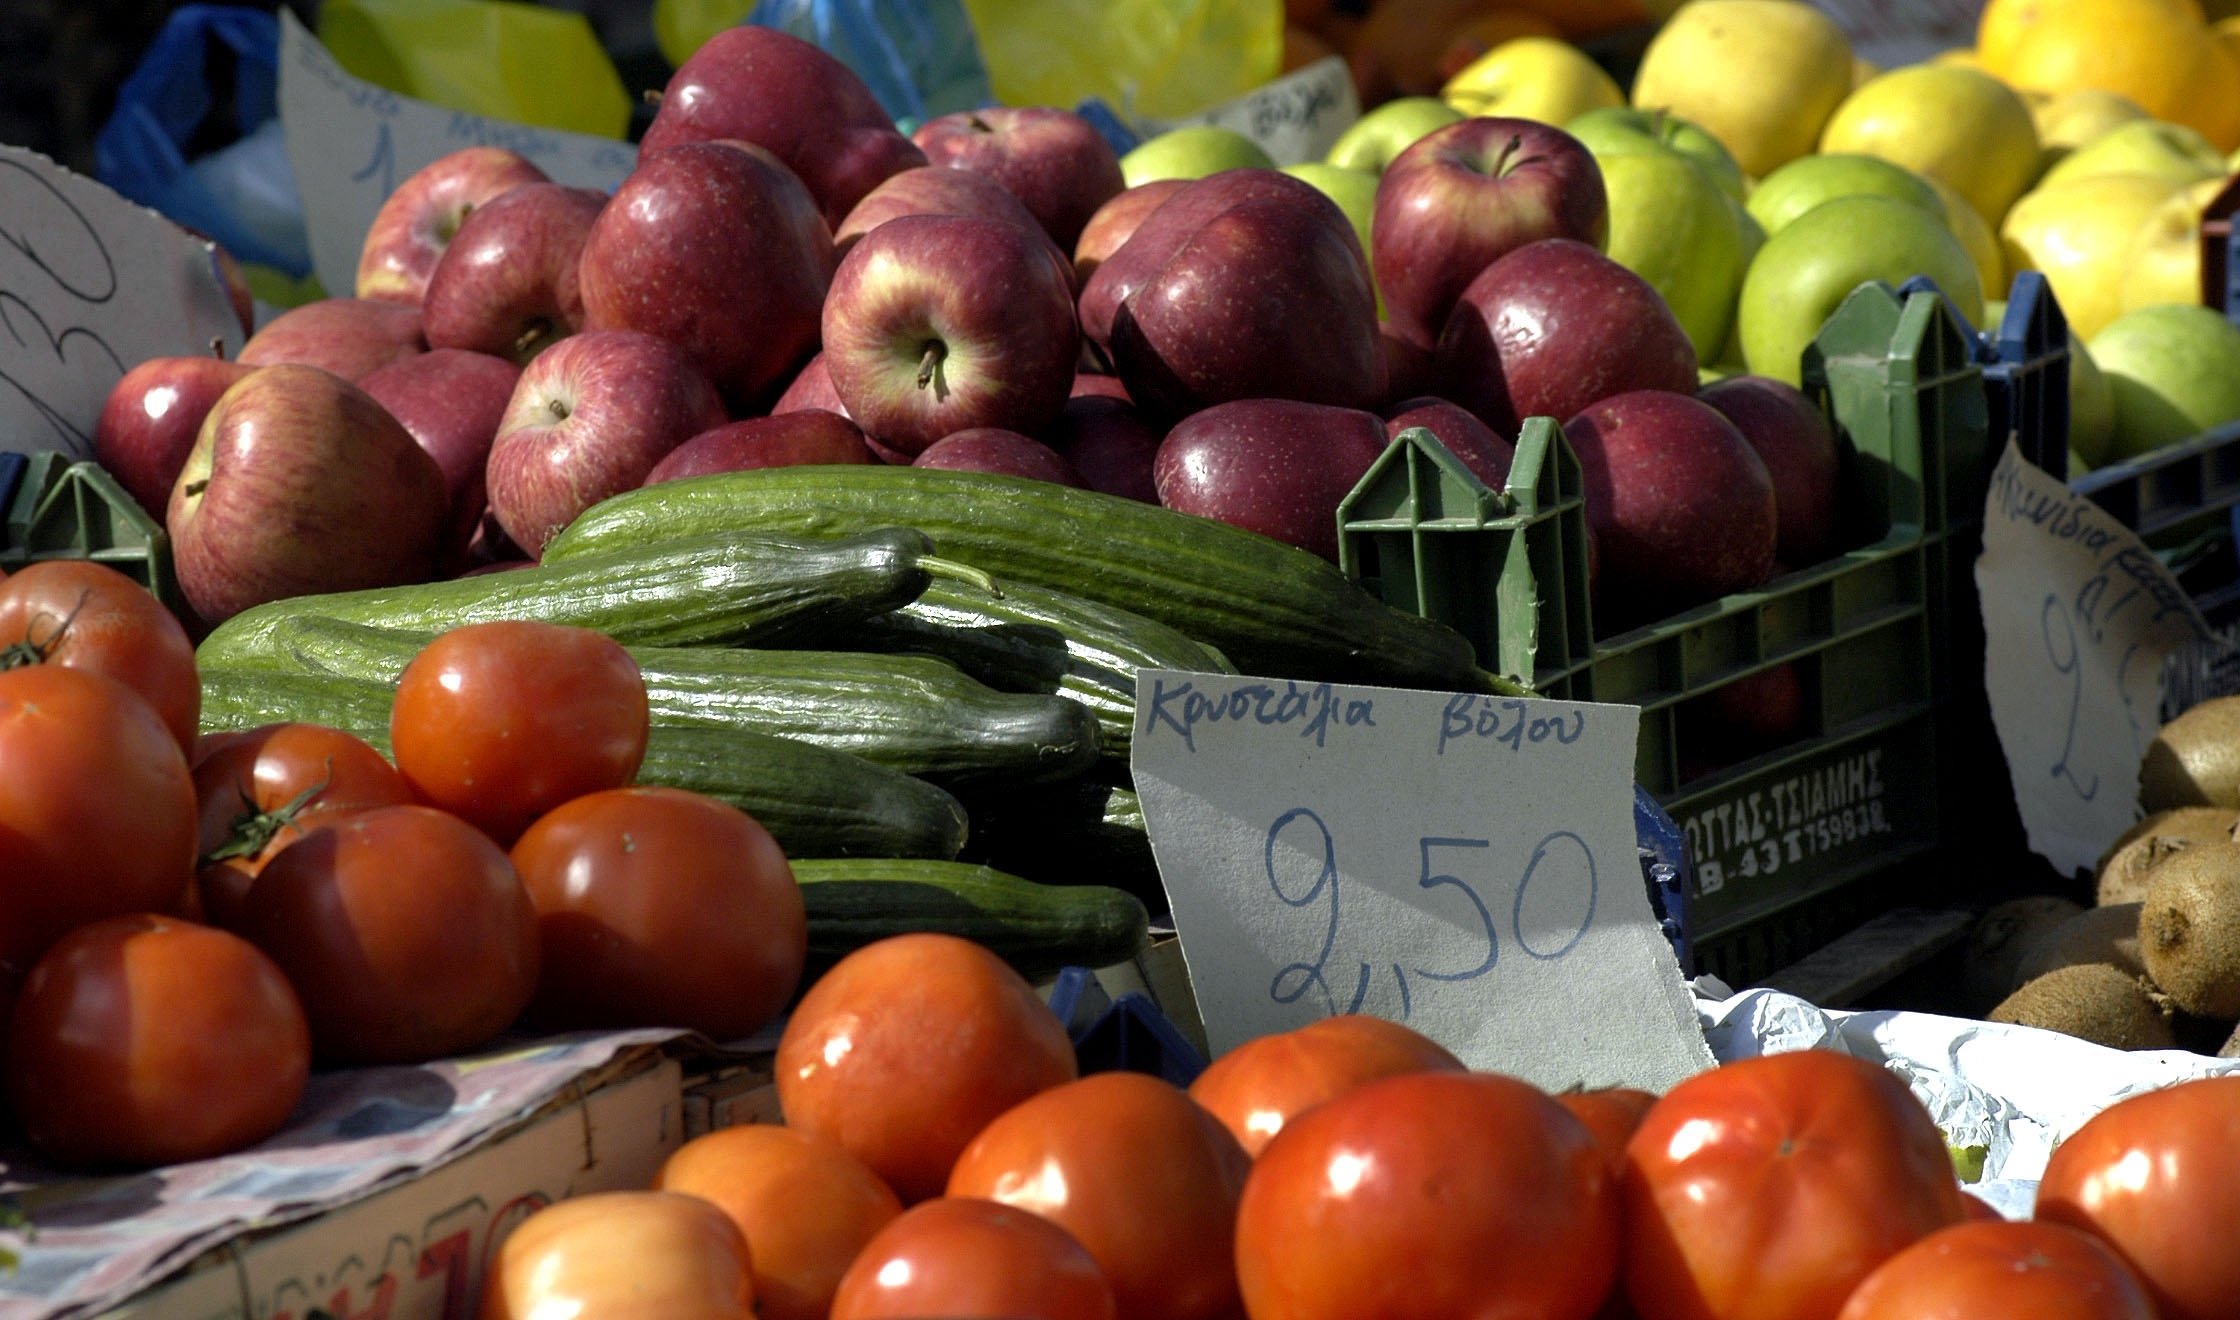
(1036, 928)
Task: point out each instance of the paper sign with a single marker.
(1294, 118)
(2077, 617)
(351, 143)
(91, 286)
(1461, 863)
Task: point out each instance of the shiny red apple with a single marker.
(1055, 162)
(1798, 446)
(506, 285)
(418, 220)
(994, 449)
(1274, 466)
(347, 336)
(149, 423)
(450, 401)
(792, 439)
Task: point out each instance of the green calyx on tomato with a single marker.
(255, 829)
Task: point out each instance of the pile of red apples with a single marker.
(786, 279)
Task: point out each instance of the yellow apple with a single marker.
(1762, 76)
(1538, 78)
(2163, 264)
(2073, 119)
(1949, 122)
(1974, 235)
(1959, 57)
(2077, 232)
(2168, 151)
(1863, 72)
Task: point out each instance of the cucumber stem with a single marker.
(956, 572)
(1502, 686)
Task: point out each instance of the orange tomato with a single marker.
(623, 1256)
(968, 1259)
(1611, 1115)
(1973, 1270)
(87, 615)
(1262, 1084)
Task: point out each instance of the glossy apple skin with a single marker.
(811, 388)
(993, 297)
(1556, 326)
(792, 439)
(151, 418)
(715, 247)
(1799, 450)
(1273, 466)
(1114, 222)
(994, 449)
(1055, 162)
(347, 336)
(589, 418)
(760, 85)
(1479, 446)
(1407, 365)
(1111, 444)
(506, 285)
(929, 190)
(450, 401)
(300, 483)
(410, 231)
(1462, 196)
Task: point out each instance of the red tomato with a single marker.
(97, 813)
(257, 790)
(86, 615)
(1430, 1196)
(805, 1205)
(499, 723)
(1768, 1188)
(968, 1259)
(1978, 1210)
(405, 931)
(2158, 1177)
(1262, 1084)
(142, 1040)
(908, 1047)
(622, 1256)
(659, 907)
(1973, 1270)
(1135, 1170)
(1610, 1113)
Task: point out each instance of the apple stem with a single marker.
(217, 348)
(936, 566)
(532, 338)
(195, 488)
(929, 367)
(979, 125)
(1508, 149)
(558, 409)
(652, 96)
(33, 649)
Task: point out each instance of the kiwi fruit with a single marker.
(2096, 935)
(2091, 1001)
(1998, 941)
(2195, 760)
(2189, 929)
(2123, 867)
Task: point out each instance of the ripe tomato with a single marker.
(1430, 1196)
(97, 813)
(968, 1259)
(258, 789)
(405, 931)
(1262, 1084)
(1973, 1270)
(2158, 1177)
(1611, 1115)
(908, 1047)
(621, 1256)
(1768, 1188)
(659, 907)
(499, 723)
(143, 1040)
(87, 615)
(1134, 1169)
(805, 1206)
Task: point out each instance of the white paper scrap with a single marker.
(1294, 118)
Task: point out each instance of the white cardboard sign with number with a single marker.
(1461, 863)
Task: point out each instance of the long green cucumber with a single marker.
(1084, 832)
(1036, 928)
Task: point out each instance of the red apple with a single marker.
(150, 421)
(417, 221)
(507, 284)
(994, 449)
(1799, 448)
(811, 388)
(450, 402)
(760, 85)
(1553, 327)
(347, 336)
(1093, 385)
(1479, 446)
(1108, 442)
(811, 435)
(717, 248)
(1464, 195)
(589, 418)
(1273, 466)
(300, 483)
(928, 190)
(940, 323)
(1116, 221)
(1408, 368)
(1052, 160)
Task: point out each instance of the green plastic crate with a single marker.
(75, 510)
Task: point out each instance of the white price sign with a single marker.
(1295, 118)
(1461, 863)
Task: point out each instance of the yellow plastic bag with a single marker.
(1155, 59)
(508, 61)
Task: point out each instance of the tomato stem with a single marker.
(253, 830)
(33, 651)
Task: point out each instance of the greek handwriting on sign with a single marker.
(1316, 709)
(67, 259)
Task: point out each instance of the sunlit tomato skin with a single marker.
(806, 1206)
(87, 615)
(1978, 1210)
(622, 1256)
(257, 790)
(97, 810)
(1610, 1113)
(1260, 1085)
(2157, 1176)
(1766, 1189)
(1972, 1271)
(1430, 1196)
(967, 1259)
(1137, 1173)
(499, 723)
(142, 1040)
(404, 930)
(908, 1047)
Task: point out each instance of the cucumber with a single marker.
(814, 801)
(728, 589)
(1079, 833)
(1036, 928)
(1271, 608)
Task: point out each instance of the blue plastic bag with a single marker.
(921, 58)
(243, 195)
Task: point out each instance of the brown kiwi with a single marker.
(2091, 1001)
(2189, 929)
(2097, 935)
(1998, 941)
(2123, 869)
(2195, 760)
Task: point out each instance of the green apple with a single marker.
(2143, 146)
(1807, 181)
(2174, 372)
(1616, 130)
(1672, 226)
(1375, 138)
(1192, 153)
(1809, 266)
(2092, 409)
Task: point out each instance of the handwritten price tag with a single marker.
(1461, 863)
(2077, 617)
(1294, 118)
